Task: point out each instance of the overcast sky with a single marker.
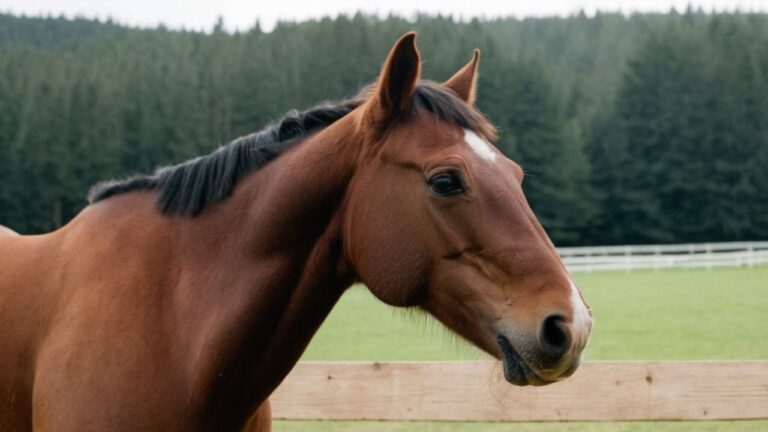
(241, 14)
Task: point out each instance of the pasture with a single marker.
(667, 315)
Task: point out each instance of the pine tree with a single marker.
(535, 133)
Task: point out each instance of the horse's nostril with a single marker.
(553, 336)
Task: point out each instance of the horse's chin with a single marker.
(516, 370)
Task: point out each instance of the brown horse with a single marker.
(180, 300)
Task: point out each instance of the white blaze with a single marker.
(580, 312)
(479, 145)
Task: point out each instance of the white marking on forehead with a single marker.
(479, 145)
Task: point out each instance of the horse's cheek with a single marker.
(393, 267)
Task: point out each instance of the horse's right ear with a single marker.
(398, 78)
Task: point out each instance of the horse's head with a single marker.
(436, 218)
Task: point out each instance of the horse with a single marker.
(179, 300)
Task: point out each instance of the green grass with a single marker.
(668, 315)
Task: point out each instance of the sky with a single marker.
(242, 14)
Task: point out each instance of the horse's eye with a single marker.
(445, 183)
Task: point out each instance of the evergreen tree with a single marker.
(535, 133)
(647, 128)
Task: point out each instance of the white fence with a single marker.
(693, 255)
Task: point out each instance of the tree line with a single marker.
(631, 129)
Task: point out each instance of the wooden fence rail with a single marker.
(476, 391)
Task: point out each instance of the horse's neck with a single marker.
(261, 271)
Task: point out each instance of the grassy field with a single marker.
(669, 315)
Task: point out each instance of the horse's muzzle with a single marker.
(516, 370)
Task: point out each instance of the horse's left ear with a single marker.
(464, 82)
(398, 76)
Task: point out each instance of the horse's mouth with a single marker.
(516, 370)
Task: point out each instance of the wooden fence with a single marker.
(476, 391)
(693, 255)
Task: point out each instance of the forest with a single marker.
(646, 128)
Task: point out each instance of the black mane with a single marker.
(188, 187)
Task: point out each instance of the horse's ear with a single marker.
(464, 82)
(398, 76)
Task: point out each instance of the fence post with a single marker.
(627, 259)
(691, 252)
